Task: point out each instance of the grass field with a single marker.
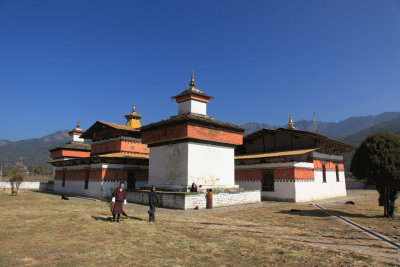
(40, 229)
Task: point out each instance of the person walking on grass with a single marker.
(118, 200)
(153, 201)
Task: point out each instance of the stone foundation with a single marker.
(193, 200)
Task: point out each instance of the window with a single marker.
(337, 173)
(323, 173)
(267, 180)
(87, 180)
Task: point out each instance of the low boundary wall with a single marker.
(193, 200)
(29, 185)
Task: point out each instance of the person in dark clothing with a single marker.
(118, 199)
(153, 201)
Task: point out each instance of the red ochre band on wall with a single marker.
(118, 145)
(69, 153)
(191, 131)
(296, 173)
(192, 96)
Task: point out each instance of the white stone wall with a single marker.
(191, 201)
(211, 166)
(193, 106)
(317, 190)
(167, 200)
(222, 199)
(24, 185)
(284, 190)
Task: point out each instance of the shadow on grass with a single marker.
(228, 224)
(320, 213)
(108, 218)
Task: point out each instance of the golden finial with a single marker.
(77, 128)
(192, 84)
(291, 124)
(132, 119)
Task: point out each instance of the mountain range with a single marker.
(31, 151)
(352, 130)
(334, 130)
(4, 142)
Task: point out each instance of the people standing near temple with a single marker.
(194, 187)
(153, 201)
(118, 199)
(209, 195)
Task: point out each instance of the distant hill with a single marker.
(335, 130)
(392, 126)
(32, 151)
(4, 142)
(356, 139)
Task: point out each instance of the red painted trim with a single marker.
(170, 133)
(192, 96)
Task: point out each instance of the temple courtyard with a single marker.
(38, 228)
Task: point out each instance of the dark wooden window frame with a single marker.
(87, 180)
(267, 180)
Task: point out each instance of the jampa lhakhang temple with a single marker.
(192, 147)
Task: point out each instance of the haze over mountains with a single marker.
(352, 130)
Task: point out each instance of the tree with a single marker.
(39, 169)
(377, 161)
(16, 180)
(31, 169)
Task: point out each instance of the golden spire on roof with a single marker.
(192, 84)
(291, 124)
(132, 119)
(77, 128)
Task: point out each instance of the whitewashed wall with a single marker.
(78, 187)
(168, 166)
(179, 165)
(317, 190)
(191, 201)
(222, 199)
(211, 166)
(192, 106)
(283, 191)
(24, 185)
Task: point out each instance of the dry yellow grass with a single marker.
(367, 212)
(39, 229)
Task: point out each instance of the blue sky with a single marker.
(63, 61)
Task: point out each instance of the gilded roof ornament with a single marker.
(132, 119)
(291, 124)
(192, 84)
(77, 128)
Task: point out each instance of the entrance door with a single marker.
(131, 179)
(267, 180)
